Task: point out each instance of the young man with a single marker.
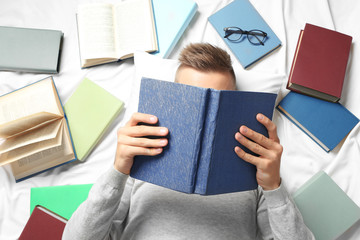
(119, 207)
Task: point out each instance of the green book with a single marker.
(62, 200)
(90, 110)
(30, 50)
(327, 211)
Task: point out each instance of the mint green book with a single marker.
(30, 50)
(90, 111)
(62, 200)
(327, 211)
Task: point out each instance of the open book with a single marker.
(202, 123)
(34, 131)
(108, 33)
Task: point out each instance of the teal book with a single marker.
(242, 14)
(62, 200)
(35, 130)
(326, 123)
(30, 50)
(171, 19)
(90, 111)
(326, 209)
(202, 123)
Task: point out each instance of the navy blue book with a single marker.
(326, 123)
(243, 15)
(202, 123)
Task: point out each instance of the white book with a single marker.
(112, 32)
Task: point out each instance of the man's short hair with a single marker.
(205, 57)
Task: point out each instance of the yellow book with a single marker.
(34, 132)
(90, 111)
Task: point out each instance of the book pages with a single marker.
(134, 28)
(43, 133)
(47, 158)
(28, 150)
(32, 99)
(96, 32)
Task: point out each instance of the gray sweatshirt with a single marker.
(120, 207)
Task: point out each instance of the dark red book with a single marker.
(43, 224)
(319, 63)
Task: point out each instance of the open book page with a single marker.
(47, 158)
(35, 98)
(96, 33)
(134, 27)
(43, 133)
(18, 126)
(28, 150)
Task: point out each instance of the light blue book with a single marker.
(326, 209)
(171, 19)
(326, 123)
(242, 14)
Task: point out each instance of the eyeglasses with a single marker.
(255, 37)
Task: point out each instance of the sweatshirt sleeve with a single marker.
(94, 217)
(279, 218)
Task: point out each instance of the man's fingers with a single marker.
(142, 142)
(132, 151)
(141, 117)
(252, 146)
(246, 156)
(142, 131)
(257, 137)
(270, 126)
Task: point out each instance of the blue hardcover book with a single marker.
(34, 129)
(202, 123)
(242, 14)
(325, 122)
(171, 19)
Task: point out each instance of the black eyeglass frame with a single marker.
(254, 32)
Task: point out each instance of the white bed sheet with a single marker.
(301, 159)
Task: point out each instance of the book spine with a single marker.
(207, 142)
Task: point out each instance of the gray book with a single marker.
(327, 210)
(30, 50)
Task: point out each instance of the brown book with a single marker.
(43, 224)
(33, 130)
(320, 62)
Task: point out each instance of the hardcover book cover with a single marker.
(326, 209)
(30, 50)
(171, 19)
(90, 111)
(242, 14)
(43, 224)
(324, 122)
(319, 63)
(62, 200)
(202, 123)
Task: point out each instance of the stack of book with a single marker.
(315, 80)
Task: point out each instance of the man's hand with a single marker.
(268, 149)
(132, 141)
